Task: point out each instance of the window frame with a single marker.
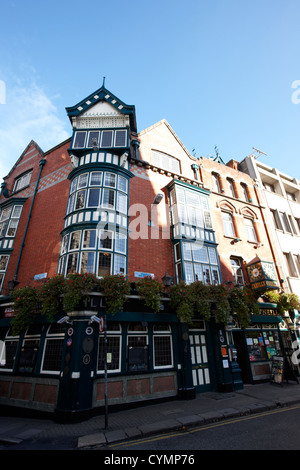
(250, 229)
(228, 224)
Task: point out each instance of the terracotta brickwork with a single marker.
(42, 243)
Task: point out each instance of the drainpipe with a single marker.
(42, 163)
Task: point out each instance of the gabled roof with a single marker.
(32, 143)
(165, 122)
(103, 95)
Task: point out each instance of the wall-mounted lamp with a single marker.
(258, 245)
(94, 319)
(4, 191)
(65, 320)
(156, 201)
(235, 240)
(167, 280)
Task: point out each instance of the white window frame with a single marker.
(22, 181)
(167, 333)
(75, 137)
(51, 337)
(228, 224)
(250, 228)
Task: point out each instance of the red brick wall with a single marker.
(155, 253)
(42, 243)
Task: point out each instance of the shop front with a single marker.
(257, 345)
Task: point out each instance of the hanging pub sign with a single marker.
(262, 275)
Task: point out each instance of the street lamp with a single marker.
(167, 280)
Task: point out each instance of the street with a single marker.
(272, 430)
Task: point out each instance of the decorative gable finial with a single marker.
(103, 84)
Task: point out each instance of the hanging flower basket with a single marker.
(115, 289)
(50, 296)
(151, 290)
(77, 290)
(26, 305)
(182, 300)
(219, 296)
(201, 299)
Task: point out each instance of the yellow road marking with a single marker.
(202, 428)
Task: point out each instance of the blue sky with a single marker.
(219, 71)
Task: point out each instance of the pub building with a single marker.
(77, 208)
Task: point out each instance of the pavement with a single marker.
(17, 433)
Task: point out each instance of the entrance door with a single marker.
(199, 357)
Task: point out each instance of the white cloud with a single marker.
(27, 114)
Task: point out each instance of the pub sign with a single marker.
(262, 275)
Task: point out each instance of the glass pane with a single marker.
(79, 139)
(113, 348)
(120, 243)
(120, 139)
(96, 178)
(93, 139)
(106, 238)
(162, 351)
(122, 203)
(255, 345)
(53, 355)
(80, 197)
(187, 251)
(12, 228)
(3, 262)
(87, 262)
(206, 274)
(17, 212)
(106, 140)
(200, 253)
(110, 180)
(104, 264)
(108, 198)
(89, 239)
(75, 240)
(82, 181)
(122, 184)
(189, 276)
(72, 263)
(120, 262)
(94, 197)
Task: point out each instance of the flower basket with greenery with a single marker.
(77, 290)
(115, 289)
(151, 290)
(251, 300)
(201, 299)
(26, 305)
(239, 305)
(182, 300)
(271, 296)
(288, 301)
(219, 295)
(50, 295)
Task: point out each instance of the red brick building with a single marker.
(111, 200)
